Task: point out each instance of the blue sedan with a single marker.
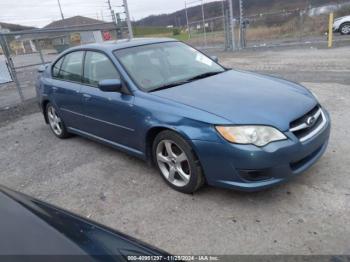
(197, 121)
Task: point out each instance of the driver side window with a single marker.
(98, 67)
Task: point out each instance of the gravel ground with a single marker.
(308, 215)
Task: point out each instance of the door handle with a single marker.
(86, 96)
(54, 88)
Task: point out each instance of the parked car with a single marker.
(32, 230)
(342, 25)
(167, 103)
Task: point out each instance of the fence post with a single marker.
(232, 26)
(241, 33)
(330, 30)
(7, 54)
(204, 29)
(301, 24)
(39, 50)
(226, 30)
(187, 23)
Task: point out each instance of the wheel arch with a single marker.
(152, 134)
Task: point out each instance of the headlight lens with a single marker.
(256, 135)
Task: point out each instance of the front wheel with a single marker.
(345, 29)
(177, 162)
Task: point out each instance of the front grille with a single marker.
(309, 124)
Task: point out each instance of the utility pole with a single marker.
(126, 8)
(204, 30)
(119, 26)
(59, 5)
(232, 26)
(188, 26)
(113, 17)
(112, 12)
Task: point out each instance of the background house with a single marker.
(86, 30)
(17, 45)
(53, 38)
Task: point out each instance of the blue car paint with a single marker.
(193, 109)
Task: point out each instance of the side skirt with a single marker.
(107, 142)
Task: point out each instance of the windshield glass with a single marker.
(164, 64)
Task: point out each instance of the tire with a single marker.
(180, 168)
(344, 29)
(56, 123)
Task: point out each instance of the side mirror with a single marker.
(110, 85)
(42, 68)
(214, 58)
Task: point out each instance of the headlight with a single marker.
(256, 135)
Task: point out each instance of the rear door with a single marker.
(66, 87)
(109, 115)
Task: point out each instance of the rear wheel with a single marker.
(345, 29)
(177, 163)
(55, 122)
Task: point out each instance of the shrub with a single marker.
(176, 31)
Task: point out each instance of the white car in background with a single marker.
(342, 25)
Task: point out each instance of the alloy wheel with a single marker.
(173, 163)
(54, 121)
(345, 29)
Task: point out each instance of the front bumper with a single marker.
(224, 163)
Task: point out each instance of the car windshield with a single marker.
(164, 65)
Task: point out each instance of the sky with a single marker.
(39, 13)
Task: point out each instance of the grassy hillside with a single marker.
(266, 21)
(214, 9)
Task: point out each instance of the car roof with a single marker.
(124, 43)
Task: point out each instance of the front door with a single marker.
(108, 115)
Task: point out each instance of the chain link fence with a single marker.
(5, 76)
(275, 28)
(23, 51)
(207, 33)
(283, 28)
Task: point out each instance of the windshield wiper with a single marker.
(204, 75)
(170, 85)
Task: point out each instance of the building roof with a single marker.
(75, 21)
(14, 27)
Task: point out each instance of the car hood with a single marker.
(31, 227)
(245, 98)
(342, 17)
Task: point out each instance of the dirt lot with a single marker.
(308, 215)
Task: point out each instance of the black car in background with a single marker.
(32, 230)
